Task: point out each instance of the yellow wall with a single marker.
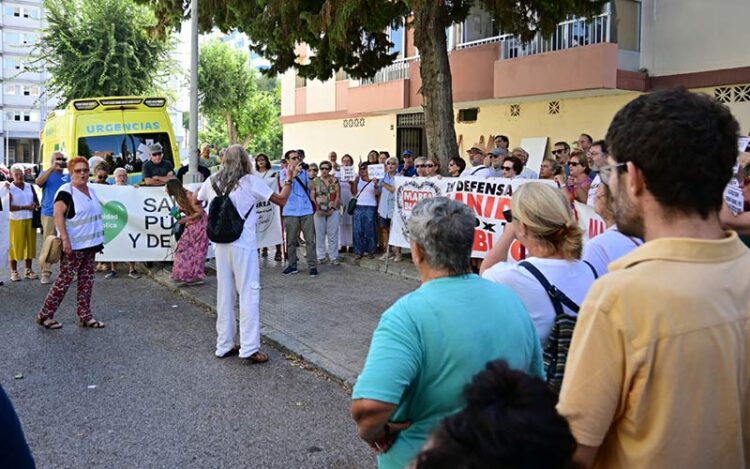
(321, 137)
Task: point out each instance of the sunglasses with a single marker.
(419, 166)
(325, 168)
(156, 154)
(494, 156)
(573, 163)
(429, 165)
(557, 152)
(81, 171)
(605, 172)
(507, 168)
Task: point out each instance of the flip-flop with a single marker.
(91, 323)
(48, 323)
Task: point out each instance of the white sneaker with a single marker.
(45, 279)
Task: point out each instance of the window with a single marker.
(12, 38)
(11, 10)
(22, 116)
(10, 63)
(30, 90)
(28, 38)
(468, 115)
(32, 13)
(398, 38)
(11, 89)
(123, 149)
(478, 25)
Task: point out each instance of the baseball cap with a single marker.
(408, 153)
(156, 148)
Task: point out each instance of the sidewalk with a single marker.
(327, 321)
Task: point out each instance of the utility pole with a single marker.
(193, 175)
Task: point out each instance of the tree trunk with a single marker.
(430, 21)
(231, 128)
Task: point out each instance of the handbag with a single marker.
(352, 205)
(558, 342)
(36, 215)
(51, 250)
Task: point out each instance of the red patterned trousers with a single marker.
(80, 264)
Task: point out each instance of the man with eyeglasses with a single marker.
(597, 156)
(50, 181)
(298, 216)
(476, 158)
(497, 155)
(157, 171)
(658, 371)
(561, 153)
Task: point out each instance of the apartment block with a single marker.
(552, 87)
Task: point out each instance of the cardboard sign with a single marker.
(376, 171)
(348, 173)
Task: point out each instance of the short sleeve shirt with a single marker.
(162, 169)
(49, 189)
(429, 345)
(250, 190)
(607, 247)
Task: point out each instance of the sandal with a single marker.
(48, 323)
(91, 323)
(30, 275)
(256, 358)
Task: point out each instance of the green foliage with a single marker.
(102, 48)
(239, 107)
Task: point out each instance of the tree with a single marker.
(101, 48)
(350, 35)
(230, 91)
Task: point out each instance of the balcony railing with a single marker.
(398, 70)
(568, 34)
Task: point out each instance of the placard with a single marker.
(348, 173)
(376, 171)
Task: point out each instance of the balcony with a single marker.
(398, 70)
(20, 101)
(21, 23)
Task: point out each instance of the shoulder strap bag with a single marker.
(352, 205)
(307, 193)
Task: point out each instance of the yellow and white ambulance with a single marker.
(118, 129)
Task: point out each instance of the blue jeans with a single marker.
(365, 236)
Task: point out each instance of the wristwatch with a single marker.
(287, 182)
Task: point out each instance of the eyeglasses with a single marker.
(81, 170)
(494, 156)
(605, 172)
(573, 163)
(429, 165)
(419, 166)
(507, 168)
(557, 152)
(156, 154)
(314, 169)
(325, 168)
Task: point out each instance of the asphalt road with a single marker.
(147, 392)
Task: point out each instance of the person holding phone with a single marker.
(50, 180)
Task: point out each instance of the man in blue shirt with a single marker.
(407, 167)
(298, 215)
(50, 181)
(431, 342)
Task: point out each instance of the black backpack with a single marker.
(225, 224)
(558, 342)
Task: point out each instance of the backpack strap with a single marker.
(479, 168)
(307, 191)
(593, 270)
(557, 297)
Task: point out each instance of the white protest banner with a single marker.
(348, 173)
(137, 223)
(376, 171)
(488, 198)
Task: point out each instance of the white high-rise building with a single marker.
(23, 101)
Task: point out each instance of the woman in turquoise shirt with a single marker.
(431, 342)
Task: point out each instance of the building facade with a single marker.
(24, 102)
(552, 87)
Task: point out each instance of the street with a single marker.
(146, 391)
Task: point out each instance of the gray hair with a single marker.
(119, 170)
(391, 159)
(444, 228)
(235, 165)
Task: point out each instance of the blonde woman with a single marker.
(543, 223)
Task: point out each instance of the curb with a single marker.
(274, 337)
(404, 269)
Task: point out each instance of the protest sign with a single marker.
(376, 171)
(733, 196)
(138, 224)
(348, 173)
(488, 198)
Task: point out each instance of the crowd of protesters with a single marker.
(628, 351)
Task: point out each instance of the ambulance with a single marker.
(119, 130)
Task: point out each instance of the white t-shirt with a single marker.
(250, 190)
(574, 278)
(592, 191)
(480, 171)
(21, 197)
(601, 250)
(366, 194)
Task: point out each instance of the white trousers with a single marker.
(237, 272)
(327, 234)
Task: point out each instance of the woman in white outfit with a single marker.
(237, 266)
(271, 178)
(346, 223)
